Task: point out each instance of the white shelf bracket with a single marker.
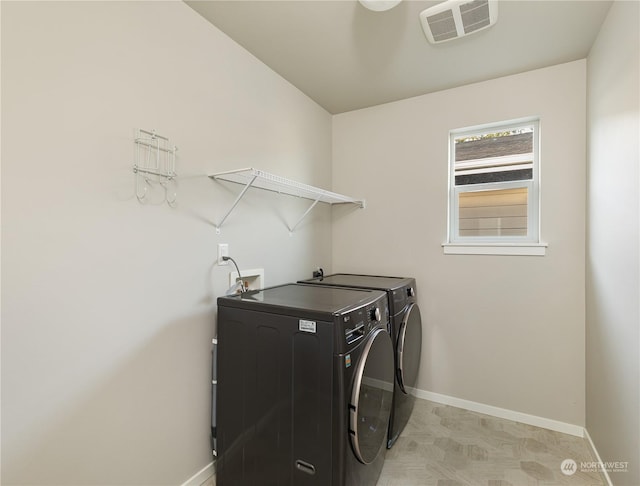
(235, 203)
(292, 229)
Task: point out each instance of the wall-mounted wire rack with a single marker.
(260, 179)
(155, 163)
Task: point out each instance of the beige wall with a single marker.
(108, 306)
(506, 331)
(613, 243)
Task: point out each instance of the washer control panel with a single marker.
(361, 322)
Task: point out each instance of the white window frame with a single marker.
(530, 244)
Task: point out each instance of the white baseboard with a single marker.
(201, 476)
(595, 453)
(504, 413)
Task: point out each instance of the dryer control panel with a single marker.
(403, 296)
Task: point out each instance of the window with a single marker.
(494, 176)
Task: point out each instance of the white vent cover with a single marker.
(456, 18)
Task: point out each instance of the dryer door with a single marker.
(371, 397)
(409, 348)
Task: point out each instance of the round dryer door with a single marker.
(409, 348)
(371, 397)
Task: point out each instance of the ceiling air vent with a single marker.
(456, 18)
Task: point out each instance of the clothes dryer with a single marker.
(304, 387)
(406, 333)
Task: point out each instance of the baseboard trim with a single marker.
(201, 476)
(504, 413)
(598, 458)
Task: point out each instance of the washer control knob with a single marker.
(411, 292)
(375, 314)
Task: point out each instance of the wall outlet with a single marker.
(223, 250)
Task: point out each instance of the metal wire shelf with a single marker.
(260, 179)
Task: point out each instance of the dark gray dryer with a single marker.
(406, 332)
(304, 387)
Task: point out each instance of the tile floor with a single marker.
(449, 446)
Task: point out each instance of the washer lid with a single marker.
(299, 299)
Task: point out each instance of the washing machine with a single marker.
(406, 332)
(303, 387)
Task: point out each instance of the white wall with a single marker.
(613, 242)
(506, 331)
(108, 305)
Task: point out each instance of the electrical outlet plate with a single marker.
(223, 250)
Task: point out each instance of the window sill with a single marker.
(519, 249)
